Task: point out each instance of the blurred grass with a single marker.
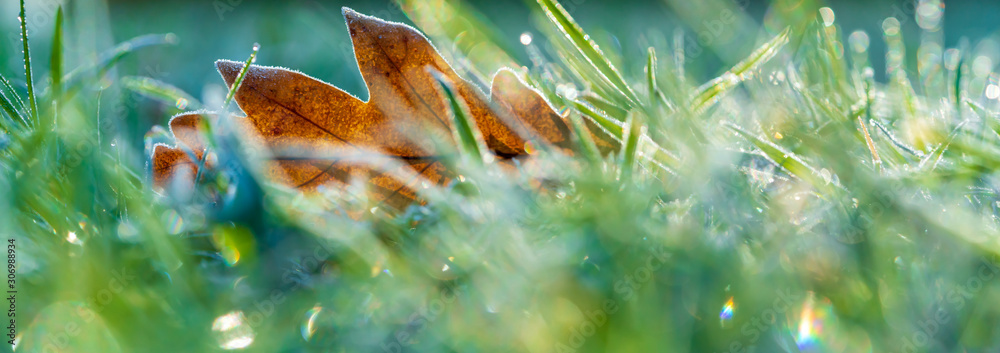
(793, 202)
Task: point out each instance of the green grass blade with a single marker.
(679, 54)
(712, 91)
(33, 105)
(610, 124)
(565, 23)
(762, 54)
(161, 91)
(631, 146)
(651, 76)
(239, 79)
(617, 130)
(9, 108)
(581, 69)
(958, 88)
(613, 111)
(10, 90)
(895, 142)
(463, 127)
(76, 79)
(930, 162)
(783, 158)
(8, 104)
(585, 141)
(709, 93)
(55, 62)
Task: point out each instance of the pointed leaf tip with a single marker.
(350, 15)
(229, 70)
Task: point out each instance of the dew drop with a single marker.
(929, 15)
(982, 66)
(828, 16)
(992, 91)
(890, 26)
(859, 41)
(232, 331)
(526, 38)
(530, 148)
(72, 238)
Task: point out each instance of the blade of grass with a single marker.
(784, 159)
(876, 160)
(14, 97)
(958, 87)
(895, 141)
(631, 146)
(610, 124)
(709, 93)
(76, 80)
(239, 79)
(762, 54)
(11, 111)
(617, 130)
(613, 111)
(161, 91)
(55, 62)
(651, 75)
(930, 162)
(586, 142)
(463, 127)
(580, 69)
(206, 126)
(988, 119)
(565, 23)
(33, 106)
(679, 54)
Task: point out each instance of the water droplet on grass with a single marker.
(859, 41)
(828, 16)
(232, 331)
(526, 38)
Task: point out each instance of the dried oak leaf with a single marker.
(287, 110)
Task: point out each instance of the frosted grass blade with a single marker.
(558, 15)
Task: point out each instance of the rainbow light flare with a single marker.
(727, 311)
(810, 326)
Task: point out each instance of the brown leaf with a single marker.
(169, 160)
(290, 111)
